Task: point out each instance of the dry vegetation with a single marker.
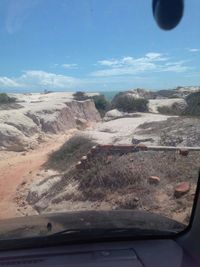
(127, 103)
(68, 155)
(175, 131)
(7, 102)
(122, 181)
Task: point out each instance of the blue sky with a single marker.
(95, 45)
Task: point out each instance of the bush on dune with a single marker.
(111, 175)
(174, 109)
(128, 103)
(70, 153)
(80, 96)
(101, 104)
(5, 99)
(193, 102)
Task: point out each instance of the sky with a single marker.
(95, 45)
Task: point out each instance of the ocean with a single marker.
(109, 94)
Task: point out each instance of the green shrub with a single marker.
(173, 96)
(193, 102)
(128, 103)
(101, 104)
(80, 96)
(176, 109)
(5, 99)
(173, 110)
(165, 110)
(70, 153)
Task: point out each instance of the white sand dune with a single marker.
(122, 130)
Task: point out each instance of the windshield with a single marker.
(99, 118)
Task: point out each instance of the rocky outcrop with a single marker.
(53, 113)
(116, 114)
(53, 121)
(84, 110)
(17, 131)
(64, 117)
(183, 91)
(178, 92)
(12, 139)
(19, 121)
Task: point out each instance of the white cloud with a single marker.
(46, 79)
(109, 63)
(125, 70)
(193, 50)
(69, 66)
(155, 56)
(178, 66)
(154, 62)
(130, 61)
(8, 82)
(40, 79)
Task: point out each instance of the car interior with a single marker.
(111, 245)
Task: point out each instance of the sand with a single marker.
(17, 169)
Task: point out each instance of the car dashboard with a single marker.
(149, 253)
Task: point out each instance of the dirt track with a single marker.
(15, 168)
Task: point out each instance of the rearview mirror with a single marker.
(168, 13)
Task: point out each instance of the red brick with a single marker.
(181, 189)
(154, 180)
(142, 147)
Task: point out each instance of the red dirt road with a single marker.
(14, 167)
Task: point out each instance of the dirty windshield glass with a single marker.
(99, 117)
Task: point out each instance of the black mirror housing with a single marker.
(168, 13)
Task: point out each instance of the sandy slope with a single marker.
(155, 103)
(122, 130)
(17, 167)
